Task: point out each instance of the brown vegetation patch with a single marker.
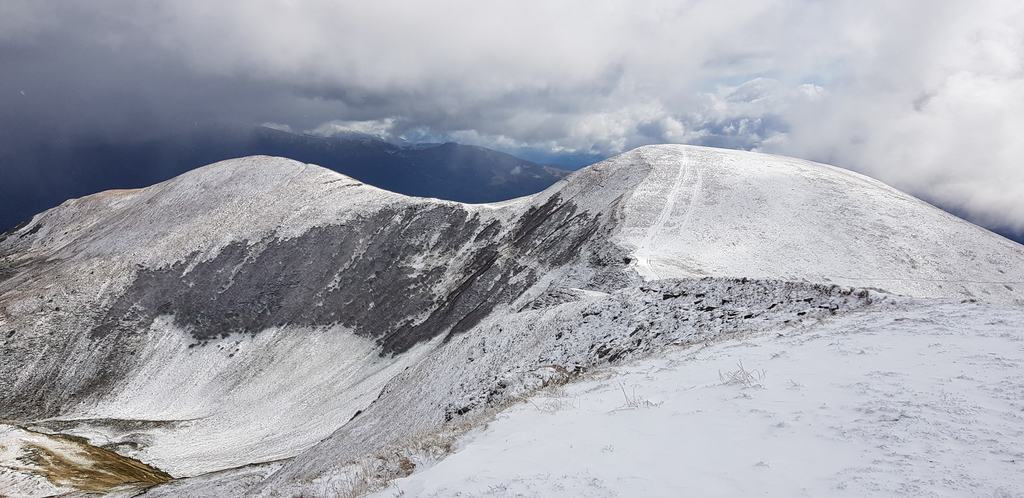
(87, 467)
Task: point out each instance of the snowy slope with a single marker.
(699, 211)
(242, 397)
(254, 305)
(916, 400)
(508, 356)
(268, 325)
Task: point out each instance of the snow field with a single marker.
(925, 401)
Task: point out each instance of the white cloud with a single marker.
(937, 111)
(277, 126)
(380, 128)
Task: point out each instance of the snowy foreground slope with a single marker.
(917, 399)
(266, 327)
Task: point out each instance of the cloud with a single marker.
(928, 96)
(936, 111)
(381, 128)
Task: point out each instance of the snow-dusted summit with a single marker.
(696, 211)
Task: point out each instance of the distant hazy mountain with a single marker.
(38, 178)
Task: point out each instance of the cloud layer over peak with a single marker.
(928, 96)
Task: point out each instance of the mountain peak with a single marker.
(688, 211)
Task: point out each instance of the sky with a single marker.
(927, 96)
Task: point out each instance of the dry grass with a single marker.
(634, 401)
(90, 468)
(743, 377)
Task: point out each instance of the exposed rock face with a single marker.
(246, 311)
(374, 274)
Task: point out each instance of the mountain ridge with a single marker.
(266, 310)
(43, 178)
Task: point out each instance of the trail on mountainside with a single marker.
(683, 175)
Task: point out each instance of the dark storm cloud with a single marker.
(69, 83)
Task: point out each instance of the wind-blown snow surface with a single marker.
(701, 211)
(266, 324)
(917, 399)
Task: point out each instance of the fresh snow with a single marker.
(509, 356)
(712, 212)
(920, 400)
(242, 399)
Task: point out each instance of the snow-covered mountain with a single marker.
(265, 326)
